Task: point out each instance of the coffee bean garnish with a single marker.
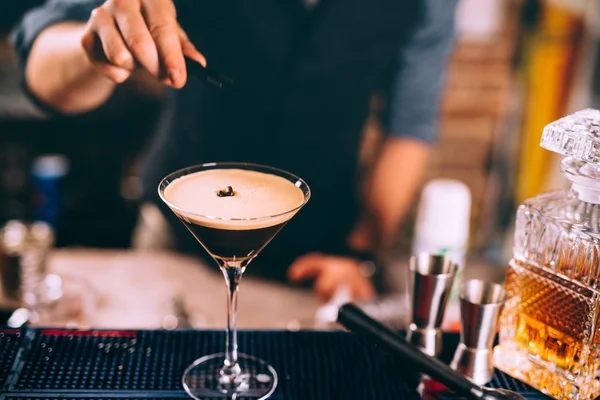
(227, 192)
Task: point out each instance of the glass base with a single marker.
(556, 383)
(204, 379)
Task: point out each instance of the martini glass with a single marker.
(234, 210)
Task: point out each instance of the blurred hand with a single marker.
(330, 273)
(362, 237)
(122, 35)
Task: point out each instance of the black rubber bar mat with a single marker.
(54, 364)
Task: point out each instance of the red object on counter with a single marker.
(95, 333)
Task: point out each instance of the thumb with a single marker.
(305, 267)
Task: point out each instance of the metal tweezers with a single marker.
(211, 76)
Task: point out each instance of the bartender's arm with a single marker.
(73, 53)
(400, 166)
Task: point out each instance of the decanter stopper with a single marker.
(576, 135)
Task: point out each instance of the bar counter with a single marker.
(125, 356)
(131, 364)
(136, 290)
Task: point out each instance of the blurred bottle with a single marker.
(442, 228)
(13, 237)
(480, 20)
(14, 190)
(24, 251)
(48, 173)
(34, 257)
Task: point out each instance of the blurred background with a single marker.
(517, 65)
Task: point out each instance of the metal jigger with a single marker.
(480, 305)
(431, 279)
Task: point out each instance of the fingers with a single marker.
(331, 273)
(164, 29)
(113, 45)
(135, 33)
(305, 267)
(189, 49)
(125, 34)
(93, 48)
(326, 285)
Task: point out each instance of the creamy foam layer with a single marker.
(256, 195)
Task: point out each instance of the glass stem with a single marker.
(232, 272)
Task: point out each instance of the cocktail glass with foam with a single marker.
(233, 210)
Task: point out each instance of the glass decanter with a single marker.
(549, 329)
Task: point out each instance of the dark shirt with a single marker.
(416, 87)
(303, 83)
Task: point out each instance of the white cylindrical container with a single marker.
(442, 228)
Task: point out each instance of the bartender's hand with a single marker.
(330, 273)
(122, 35)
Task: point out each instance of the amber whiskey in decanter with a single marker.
(550, 326)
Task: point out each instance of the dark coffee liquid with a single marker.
(231, 243)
